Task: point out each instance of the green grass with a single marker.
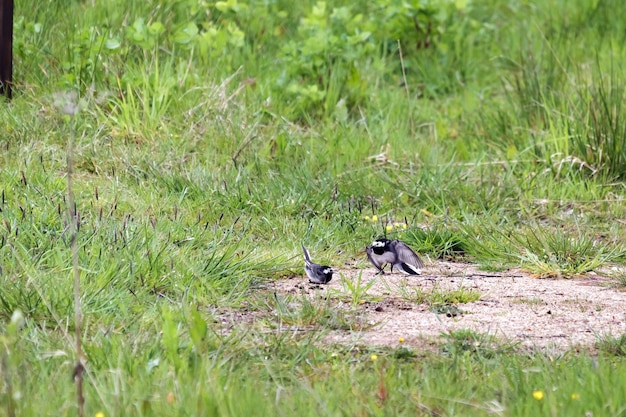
(357, 289)
(211, 139)
(611, 345)
(437, 297)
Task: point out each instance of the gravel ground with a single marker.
(513, 306)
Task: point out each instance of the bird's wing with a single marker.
(311, 274)
(408, 269)
(374, 262)
(408, 255)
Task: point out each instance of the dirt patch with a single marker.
(513, 306)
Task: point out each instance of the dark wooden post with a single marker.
(6, 47)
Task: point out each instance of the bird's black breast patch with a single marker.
(378, 250)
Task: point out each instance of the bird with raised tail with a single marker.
(318, 274)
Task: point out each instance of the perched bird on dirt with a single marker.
(318, 274)
(395, 253)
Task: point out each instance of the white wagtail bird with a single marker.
(395, 253)
(318, 274)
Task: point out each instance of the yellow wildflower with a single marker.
(538, 395)
(575, 396)
(374, 357)
(389, 228)
(367, 218)
(99, 414)
(401, 339)
(374, 218)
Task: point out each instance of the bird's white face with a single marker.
(378, 244)
(327, 271)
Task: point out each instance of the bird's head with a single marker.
(380, 243)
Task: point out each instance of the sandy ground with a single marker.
(513, 306)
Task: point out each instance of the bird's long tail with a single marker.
(307, 257)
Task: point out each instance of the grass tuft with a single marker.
(612, 345)
(481, 345)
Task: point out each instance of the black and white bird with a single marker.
(395, 253)
(318, 274)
